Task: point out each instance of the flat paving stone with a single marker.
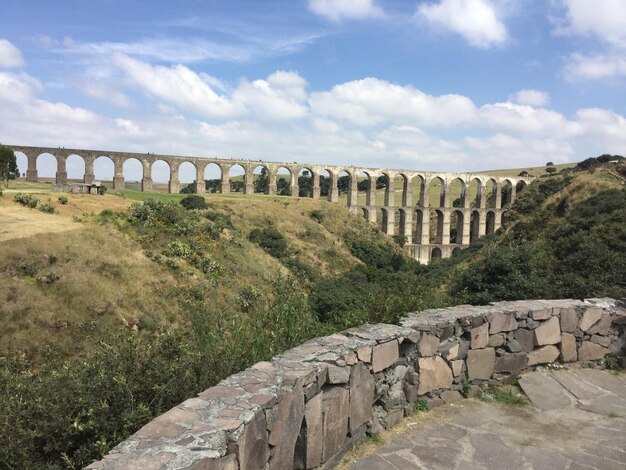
(555, 432)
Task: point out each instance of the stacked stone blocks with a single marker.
(308, 406)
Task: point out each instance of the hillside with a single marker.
(126, 308)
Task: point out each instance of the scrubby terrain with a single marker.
(129, 307)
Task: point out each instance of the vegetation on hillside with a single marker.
(216, 289)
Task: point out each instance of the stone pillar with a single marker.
(467, 226)
(271, 181)
(498, 204)
(370, 195)
(406, 229)
(424, 195)
(407, 193)
(445, 195)
(333, 190)
(513, 194)
(31, 171)
(315, 188)
(225, 184)
(482, 197)
(390, 193)
(425, 227)
(372, 216)
(61, 174)
(391, 222)
(465, 190)
(174, 185)
(118, 181)
(248, 179)
(199, 184)
(294, 188)
(89, 176)
(353, 192)
(445, 234)
(146, 180)
(482, 223)
(497, 220)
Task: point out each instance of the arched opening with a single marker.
(382, 218)
(344, 181)
(402, 221)
(436, 226)
(402, 190)
(212, 178)
(490, 193)
(305, 182)
(435, 254)
(417, 189)
(473, 193)
(283, 181)
(236, 176)
(520, 186)
(325, 183)
(187, 174)
(75, 167)
(456, 193)
(417, 226)
(366, 213)
(22, 163)
(491, 222)
(506, 194)
(160, 174)
(436, 190)
(385, 190)
(103, 168)
(505, 217)
(474, 226)
(456, 251)
(364, 196)
(261, 179)
(456, 227)
(46, 167)
(132, 170)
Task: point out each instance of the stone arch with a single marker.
(404, 224)
(284, 181)
(212, 175)
(435, 253)
(455, 251)
(346, 184)
(187, 172)
(22, 163)
(368, 214)
(237, 178)
(418, 223)
(307, 179)
(457, 219)
(491, 193)
(475, 192)
(474, 226)
(103, 168)
(132, 171)
(75, 167)
(47, 165)
(490, 222)
(386, 186)
(437, 185)
(402, 184)
(261, 179)
(328, 185)
(506, 192)
(436, 226)
(520, 186)
(419, 190)
(160, 174)
(456, 190)
(366, 187)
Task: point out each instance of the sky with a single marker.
(432, 85)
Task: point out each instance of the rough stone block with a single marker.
(362, 387)
(602, 326)
(228, 462)
(450, 352)
(502, 322)
(480, 363)
(548, 332)
(526, 339)
(568, 348)
(543, 355)
(450, 396)
(513, 346)
(286, 428)
(394, 417)
(457, 367)
(410, 392)
(589, 351)
(480, 336)
(434, 374)
(512, 363)
(338, 375)
(589, 318)
(253, 450)
(569, 320)
(384, 355)
(542, 314)
(365, 354)
(335, 415)
(428, 345)
(497, 340)
(601, 340)
(310, 441)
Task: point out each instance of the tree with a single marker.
(261, 182)
(523, 173)
(8, 165)
(549, 164)
(551, 170)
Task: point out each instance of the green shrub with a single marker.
(63, 200)
(27, 200)
(47, 208)
(317, 215)
(193, 201)
(271, 240)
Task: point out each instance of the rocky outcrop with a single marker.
(309, 405)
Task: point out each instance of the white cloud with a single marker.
(338, 10)
(476, 20)
(534, 98)
(106, 92)
(591, 67)
(605, 19)
(10, 56)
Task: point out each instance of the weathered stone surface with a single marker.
(543, 355)
(502, 322)
(526, 339)
(548, 332)
(286, 428)
(362, 387)
(169, 424)
(601, 340)
(228, 462)
(589, 351)
(335, 415)
(568, 348)
(589, 318)
(365, 354)
(512, 363)
(338, 375)
(450, 396)
(569, 320)
(428, 345)
(410, 392)
(311, 439)
(479, 336)
(513, 346)
(602, 326)
(481, 363)
(253, 450)
(497, 340)
(542, 314)
(457, 367)
(450, 352)
(434, 374)
(384, 355)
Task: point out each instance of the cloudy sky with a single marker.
(453, 85)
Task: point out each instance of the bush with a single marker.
(26, 200)
(271, 240)
(47, 208)
(317, 215)
(63, 200)
(193, 202)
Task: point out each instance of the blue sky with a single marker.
(454, 85)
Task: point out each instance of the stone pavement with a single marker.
(577, 421)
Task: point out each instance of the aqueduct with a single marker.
(437, 213)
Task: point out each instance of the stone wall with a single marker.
(306, 407)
